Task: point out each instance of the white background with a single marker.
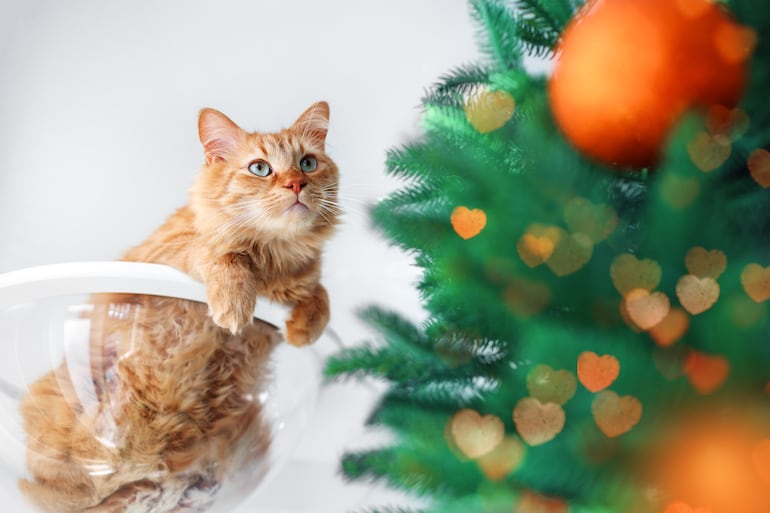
(98, 144)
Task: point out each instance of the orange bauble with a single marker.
(626, 71)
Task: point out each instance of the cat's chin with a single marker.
(298, 217)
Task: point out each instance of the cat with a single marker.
(162, 409)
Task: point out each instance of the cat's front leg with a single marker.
(231, 290)
(308, 318)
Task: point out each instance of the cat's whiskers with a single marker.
(331, 207)
(327, 215)
(355, 199)
(352, 203)
(344, 208)
(325, 198)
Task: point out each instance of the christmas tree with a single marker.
(594, 249)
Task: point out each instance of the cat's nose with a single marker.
(296, 184)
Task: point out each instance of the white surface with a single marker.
(98, 143)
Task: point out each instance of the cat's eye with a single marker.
(260, 168)
(308, 164)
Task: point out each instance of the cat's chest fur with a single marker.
(285, 270)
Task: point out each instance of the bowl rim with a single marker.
(91, 277)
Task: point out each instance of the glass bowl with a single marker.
(117, 393)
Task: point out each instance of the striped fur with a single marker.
(245, 236)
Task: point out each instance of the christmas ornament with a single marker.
(627, 70)
(713, 463)
(683, 507)
(760, 457)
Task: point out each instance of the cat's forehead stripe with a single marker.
(268, 144)
(280, 149)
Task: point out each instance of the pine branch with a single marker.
(461, 345)
(541, 22)
(387, 362)
(372, 464)
(417, 161)
(386, 465)
(453, 392)
(454, 88)
(439, 370)
(550, 16)
(497, 34)
(422, 233)
(536, 41)
(422, 464)
(395, 328)
(415, 421)
(405, 343)
(420, 197)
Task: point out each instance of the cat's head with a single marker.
(266, 185)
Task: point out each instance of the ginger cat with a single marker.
(163, 407)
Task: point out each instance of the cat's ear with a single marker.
(314, 122)
(219, 135)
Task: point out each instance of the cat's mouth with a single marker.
(297, 208)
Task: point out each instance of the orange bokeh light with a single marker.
(710, 463)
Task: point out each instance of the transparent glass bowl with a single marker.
(138, 400)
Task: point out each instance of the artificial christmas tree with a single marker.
(598, 334)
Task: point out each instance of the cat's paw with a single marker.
(308, 319)
(297, 335)
(231, 320)
(232, 312)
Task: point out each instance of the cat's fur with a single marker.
(164, 408)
